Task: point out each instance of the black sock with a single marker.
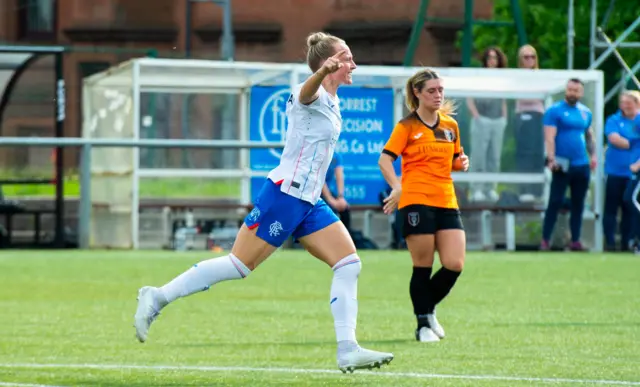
(420, 291)
(442, 282)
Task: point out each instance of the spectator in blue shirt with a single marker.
(633, 188)
(333, 190)
(620, 131)
(570, 148)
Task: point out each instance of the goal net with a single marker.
(499, 114)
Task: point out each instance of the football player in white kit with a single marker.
(289, 204)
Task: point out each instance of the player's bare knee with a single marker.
(249, 263)
(454, 264)
(341, 245)
(250, 249)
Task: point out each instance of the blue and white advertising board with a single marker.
(367, 122)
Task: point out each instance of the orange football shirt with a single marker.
(427, 157)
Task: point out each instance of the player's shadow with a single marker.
(289, 343)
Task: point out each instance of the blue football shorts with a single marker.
(279, 216)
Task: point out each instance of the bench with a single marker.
(486, 210)
(9, 210)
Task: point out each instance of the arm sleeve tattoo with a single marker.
(591, 143)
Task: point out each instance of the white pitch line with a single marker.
(322, 371)
(11, 384)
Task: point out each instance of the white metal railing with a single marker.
(244, 173)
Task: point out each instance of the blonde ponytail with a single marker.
(410, 99)
(448, 107)
(320, 46)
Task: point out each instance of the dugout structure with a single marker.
(115, 105)
(32, 85)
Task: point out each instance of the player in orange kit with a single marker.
(428, 140)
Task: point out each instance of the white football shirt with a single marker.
(312, 133)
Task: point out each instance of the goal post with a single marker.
(108, 113)
(115, 105)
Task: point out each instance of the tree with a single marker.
(546, 24)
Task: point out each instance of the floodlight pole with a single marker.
(592, 31)
(468, 22)
(467, 37)
(227, 52)
(227, 44)
(227, 41)
(571, 34)
(59, 152)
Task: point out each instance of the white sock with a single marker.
(344, 297)
(203, 275)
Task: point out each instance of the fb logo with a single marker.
(273, 119)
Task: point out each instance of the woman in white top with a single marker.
(289, 204)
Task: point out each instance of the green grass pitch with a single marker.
(512, 320)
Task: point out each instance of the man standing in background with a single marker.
(570, 148)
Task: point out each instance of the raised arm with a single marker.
(309, 91)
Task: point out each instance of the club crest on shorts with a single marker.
(413, 218)
(275, 229)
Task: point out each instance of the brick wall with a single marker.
(160, 24)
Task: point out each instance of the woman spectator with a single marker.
(487, 130)
(529, 130)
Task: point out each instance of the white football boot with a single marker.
(426, 335)
(147, 311)
(435, 325)
(361, 358)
